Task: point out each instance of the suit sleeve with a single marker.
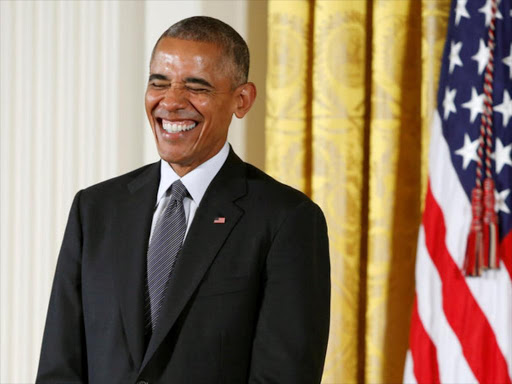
(293, 324)
(63, 354)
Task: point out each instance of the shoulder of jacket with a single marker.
(275, 193)
(120, 183)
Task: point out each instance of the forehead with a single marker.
(176, 54)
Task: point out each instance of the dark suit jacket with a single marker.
(248, 300)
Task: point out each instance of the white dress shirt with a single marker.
(196, 182)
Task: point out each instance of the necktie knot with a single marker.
(178, 191)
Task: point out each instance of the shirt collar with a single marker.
(197, 180)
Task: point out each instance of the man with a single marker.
(199, 268)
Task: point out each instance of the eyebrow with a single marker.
(193, 80)
(198, 80)
(157, 76)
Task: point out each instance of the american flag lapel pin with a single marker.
(219, 220)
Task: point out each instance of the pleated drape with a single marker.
(350, 90)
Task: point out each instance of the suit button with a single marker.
(142, 382)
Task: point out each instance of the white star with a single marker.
(448, 102)
(500, 198)
(508, 60)
(475, 105)
(468, 151)
(487, 11)
(502, 155)
(454, 55)
(461, 11)
(482, 56)
(505, 108)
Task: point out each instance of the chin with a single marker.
(170, 158)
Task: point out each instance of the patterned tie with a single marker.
(162, 252)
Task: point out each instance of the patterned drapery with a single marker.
(351, 86)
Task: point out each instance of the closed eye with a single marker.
(157, 80)
(198, 90)
(159, 84)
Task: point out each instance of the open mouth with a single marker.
(177, 126)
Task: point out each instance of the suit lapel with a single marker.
(204, 240)
(131, 228)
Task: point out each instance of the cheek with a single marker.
(213, 110)
(202, 105)
(150, 102)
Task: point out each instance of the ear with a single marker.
(245, 96)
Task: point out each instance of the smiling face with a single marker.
(190, 100)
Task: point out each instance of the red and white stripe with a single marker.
(461, 328)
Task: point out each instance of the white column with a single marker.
(70, 91)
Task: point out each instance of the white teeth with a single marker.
(171, 127)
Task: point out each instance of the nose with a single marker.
(174, 98)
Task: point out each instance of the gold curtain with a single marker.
(351, 87)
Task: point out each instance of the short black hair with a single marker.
(210, 30)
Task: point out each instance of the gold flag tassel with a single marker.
(475, 246)
(482, 245)
(490, 226)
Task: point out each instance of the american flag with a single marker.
(461, 326)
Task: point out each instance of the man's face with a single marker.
(190, 101)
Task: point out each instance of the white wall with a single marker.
(72, 81)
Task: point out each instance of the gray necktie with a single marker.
(162, 252)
